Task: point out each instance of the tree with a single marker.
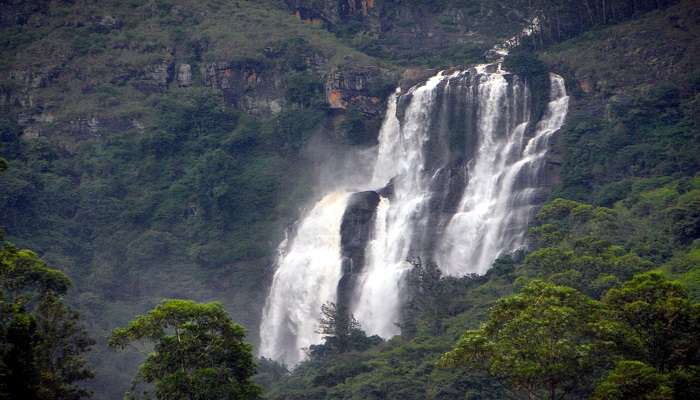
(662, 325)
(634, 380)
(199, 352)
(542, 341)
(336, 322)
(41, 340)
(341, 331)
(428, 301)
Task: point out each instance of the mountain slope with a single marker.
(160, 148)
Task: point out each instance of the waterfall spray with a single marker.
(464, 166)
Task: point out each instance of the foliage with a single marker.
(356, 129)
(200, 192)
(536, 73)
(559, 20)
(634, 380)
(305, 90)
(543, 341)
(429, 297)
(628, 120)
(42, 342)
(341, 333)
(199, 352)
(550, 341)
(664, 326)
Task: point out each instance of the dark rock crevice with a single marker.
(355, 232)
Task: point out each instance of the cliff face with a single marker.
(415, 32)
(73, 62)
(97, 71)
(355, 233)
(335, 12)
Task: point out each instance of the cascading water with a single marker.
(459, 168)
(307, 277)
(401, 157)
(503, 182)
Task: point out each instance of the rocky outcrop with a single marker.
(247, 85)
(154, 78)
(254, 86)
(184, 75)
(105, 23)
(333, 12)
(161, 74)
(355, 233)
(360, 88)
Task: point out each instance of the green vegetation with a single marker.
(544, 341)
(184, 190)
(626, 204)
(535, 73)
(198, 198)
(550, 341)
(199, 352)
(42, 341)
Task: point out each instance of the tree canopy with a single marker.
(41, 339)
(552, 341)
(541, 340)
(199, 352)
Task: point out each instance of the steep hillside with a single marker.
(629, 147)
(156, 148)
(160, 149)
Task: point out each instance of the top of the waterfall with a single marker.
(497, 54)
(501, 50)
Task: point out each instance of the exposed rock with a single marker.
(357, 87)
(332, 12)
(105, 23)
(355, 232)
(246, 85)
(161, 73)
(412, 76)
(138, 125)
(184, 75)
(85, 126)
(585, 85)
(30, 133)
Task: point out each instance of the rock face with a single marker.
(355, 233)
(333, 12)
(160, 74)
(184, 75)
(255, 84)
(360, 88)
(411, 30)
(248, 86)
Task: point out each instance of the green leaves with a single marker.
(663, 323)
(21, 269)
(199, 352)
(41, 340)
(544, 338)
(634, 380)
(550, 340)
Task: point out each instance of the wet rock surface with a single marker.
(355, 233)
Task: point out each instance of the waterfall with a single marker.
(307, 277)
(460, 168)
(498, 202)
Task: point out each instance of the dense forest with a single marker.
(154, 155)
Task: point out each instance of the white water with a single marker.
(401, 155)
(493, 213)
(491, 218)
(307, 277)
